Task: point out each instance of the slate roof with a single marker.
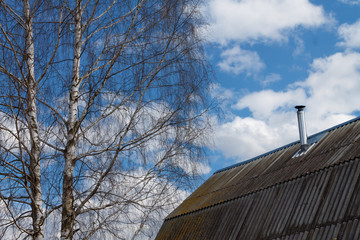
(278, 196)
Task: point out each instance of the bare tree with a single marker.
(103, 114)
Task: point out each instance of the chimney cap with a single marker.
(300, 107)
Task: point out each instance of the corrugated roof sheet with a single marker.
(276, 196)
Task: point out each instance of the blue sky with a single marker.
(270, 55)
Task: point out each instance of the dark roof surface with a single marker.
(278, 196)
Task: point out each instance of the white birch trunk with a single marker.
(68, 211)
(35, 169)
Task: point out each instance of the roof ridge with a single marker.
(316, 137)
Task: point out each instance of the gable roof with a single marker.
(277, 195)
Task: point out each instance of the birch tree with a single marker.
(22, 113)
(103, 114)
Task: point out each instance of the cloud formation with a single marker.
(271, 78)
(330, 92)
(351, 2)
(350, 33)
(264, 20)
(243, 138)
(237, 61)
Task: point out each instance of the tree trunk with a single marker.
(68, 211)
(35, 169)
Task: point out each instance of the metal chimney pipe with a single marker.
(302, 126)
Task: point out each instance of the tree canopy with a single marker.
(103, 115)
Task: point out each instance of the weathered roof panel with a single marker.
(323, 201)
(278, 196)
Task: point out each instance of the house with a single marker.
(302, 190)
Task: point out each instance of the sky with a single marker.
(271, 55)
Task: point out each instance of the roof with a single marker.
(278, 196)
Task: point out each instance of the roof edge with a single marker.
(312, 139)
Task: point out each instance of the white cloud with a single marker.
(330, 92)
(248, 137)
(350, 33)
(264, 103)
(250, 20)
(150, 200)
(191, 167)
(300, 46)
(219, 92)
(271, 78)
(237, 60)
(334, 85)
(351, 2)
